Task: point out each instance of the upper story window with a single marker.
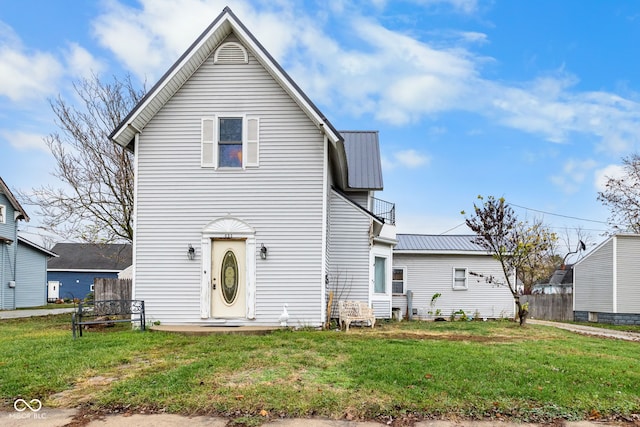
(3, 214)
(230, 141)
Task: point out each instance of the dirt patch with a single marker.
(86, 387)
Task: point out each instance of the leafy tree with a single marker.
(95, 201)
(622, 196)
(518, 246)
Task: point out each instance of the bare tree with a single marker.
(576, 241)
(516, 245)
(622, 196)
(95, 201)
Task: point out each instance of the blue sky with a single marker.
(534, 101)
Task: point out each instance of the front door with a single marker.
(228, 278)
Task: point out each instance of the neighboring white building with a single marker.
(606, 282)
(454, 267)
(247, 198)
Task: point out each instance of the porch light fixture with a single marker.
(191, 253)
(263, 251)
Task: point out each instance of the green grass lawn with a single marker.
(468, 369)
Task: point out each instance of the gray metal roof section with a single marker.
(437, 243)
(91, 256)
(363, 160)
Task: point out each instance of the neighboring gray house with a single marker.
(449, 265)
(247, 198)
(78, 264)
(23, 264)
(606, 282)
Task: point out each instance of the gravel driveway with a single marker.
(589, 330)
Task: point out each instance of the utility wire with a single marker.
(560, 215)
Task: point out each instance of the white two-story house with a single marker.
(246, 196)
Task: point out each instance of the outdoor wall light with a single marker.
(191, 252)
(263, 251)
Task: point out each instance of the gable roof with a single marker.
(14, 202)
(363, 160)
(22, 240)
(91, 256)
(438, 244)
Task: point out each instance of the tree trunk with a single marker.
(523, 311)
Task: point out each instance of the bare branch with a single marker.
(95, 200)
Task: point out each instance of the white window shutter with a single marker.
(253, 143)
(208, 142)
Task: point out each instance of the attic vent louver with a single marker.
(231, 53)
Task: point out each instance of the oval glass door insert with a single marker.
(229, 277)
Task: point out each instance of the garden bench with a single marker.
(355, 311)
(107, 312)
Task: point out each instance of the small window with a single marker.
(380, 279)
(3, 214)
(460, 279)
(398, 280)
(230, 142)
(91, 288)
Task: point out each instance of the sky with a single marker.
(533, 101)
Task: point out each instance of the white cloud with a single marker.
(574, 173)
(462, 6)
(25, 74)
(602, 175)
(406, 158)
(81, 63)
(25, 140)
(392, 76)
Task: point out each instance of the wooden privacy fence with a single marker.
(550, 307)
(112, 289)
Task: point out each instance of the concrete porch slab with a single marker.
(214, 329)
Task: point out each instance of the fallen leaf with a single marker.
(428, 376)
(264, 413)
(240, 396)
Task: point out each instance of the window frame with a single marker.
(3, 214)
(211, 147)
(375, 282)
(454, 285)
(404, 280)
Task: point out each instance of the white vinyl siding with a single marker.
(348, 270)
(427, 275)
(628, 274)
(282, 199)
(593, 280)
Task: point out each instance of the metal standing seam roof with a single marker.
(91, 256)
(437, 243)
(363, 159)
